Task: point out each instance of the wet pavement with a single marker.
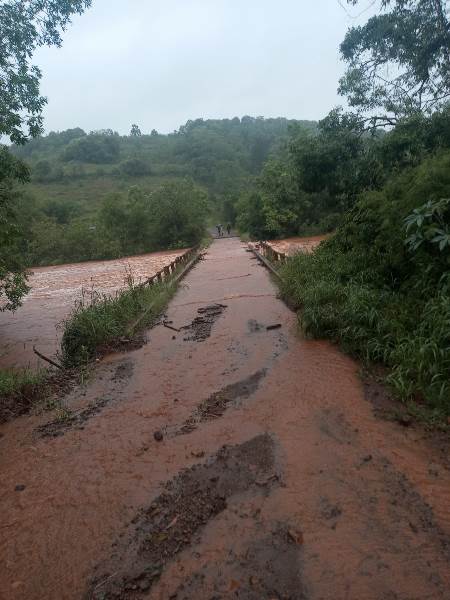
(229, 459)
(52, 296)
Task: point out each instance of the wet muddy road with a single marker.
(52, 296)
(230, 459)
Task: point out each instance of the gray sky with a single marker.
(158, 63)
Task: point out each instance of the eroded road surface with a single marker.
(229, 459)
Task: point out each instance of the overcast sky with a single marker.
(158, 63)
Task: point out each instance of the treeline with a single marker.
(320, 174)
(172, 216)
(101, 195)
(219, 154)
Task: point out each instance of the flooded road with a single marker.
(230, 459)
(290, 246)
(52, 296)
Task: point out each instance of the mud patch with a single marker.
(200, 328)
(269, 567)
(409, 507)
(179, 514)
(214, 406)
(68, 419)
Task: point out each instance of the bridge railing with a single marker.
(166, 272)
(272, 254)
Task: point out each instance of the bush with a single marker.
(366, 287)
(134, 167)
(99, 321)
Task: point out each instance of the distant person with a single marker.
(218, 230)
(228, 229)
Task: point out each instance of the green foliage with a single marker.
(103, 195)
(399, 61)
(134, 167)
(99, 321)
(96, 148)
(368, 285)
(19, 390)
(12, 277)
(135, 131)
(24, 27)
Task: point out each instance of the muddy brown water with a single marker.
(290, 246)
(52, 296)
(287, 486)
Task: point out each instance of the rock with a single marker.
(367, 458)
(19, 488)
(158, 435)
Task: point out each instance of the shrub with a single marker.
(382, 292)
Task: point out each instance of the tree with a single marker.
(135, 131)
(24, 27)
(398, 62)
(12, 278)
(134, 167)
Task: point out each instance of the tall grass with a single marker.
(99, 321)
(19, 389)
(380, 299)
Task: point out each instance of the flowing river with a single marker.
(54, 291)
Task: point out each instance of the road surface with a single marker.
(229, 459)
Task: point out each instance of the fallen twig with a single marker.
(49, 360)
(170, 327)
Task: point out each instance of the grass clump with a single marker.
(100, 321)
(19, 390)
(381, 286)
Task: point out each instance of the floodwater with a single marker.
(52, 296)
(326, 501)
(290, 246)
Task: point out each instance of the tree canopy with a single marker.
(398, 62)
(24, 26)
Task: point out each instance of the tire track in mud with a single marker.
(176, 518)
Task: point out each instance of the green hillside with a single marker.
(88, 191)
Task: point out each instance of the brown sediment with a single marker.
(214, 406)
(362, 510)
(188, 503)
(292, 245)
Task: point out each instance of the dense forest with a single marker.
(102, 195)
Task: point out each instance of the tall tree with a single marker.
(398, 62)
(24, 26)
(135, 131)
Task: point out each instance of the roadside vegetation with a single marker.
(378, 176)
(19, 390)
(100, 322)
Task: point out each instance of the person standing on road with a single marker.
(218, 230)
(228, 229)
